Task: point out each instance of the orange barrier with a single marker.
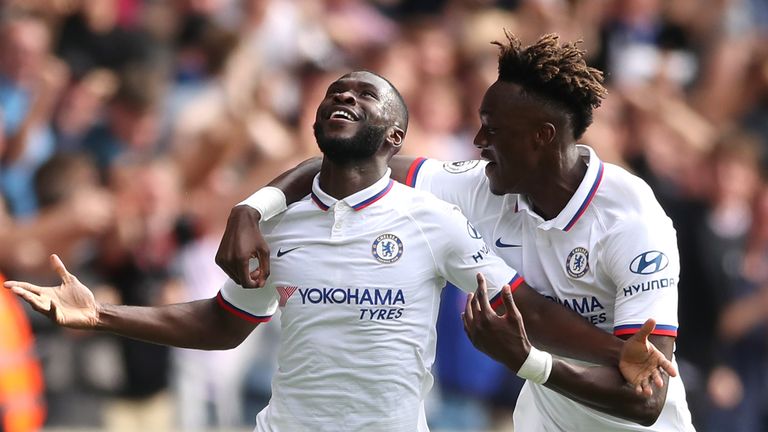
(21, 380)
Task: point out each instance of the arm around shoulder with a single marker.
(242, 238)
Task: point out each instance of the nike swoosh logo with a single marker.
(281, 252)
(499, 244)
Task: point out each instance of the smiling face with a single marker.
(509, 138)
(356, 117)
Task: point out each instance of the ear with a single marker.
(396, 137)
(546, 134)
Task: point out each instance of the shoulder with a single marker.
(434, 218)
(297, 213)
(465, 172)
(421, 204)
(626, 200)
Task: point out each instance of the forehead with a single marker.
(362, 79)
(502, 97)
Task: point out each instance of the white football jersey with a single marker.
(358, 282)
(610, 255)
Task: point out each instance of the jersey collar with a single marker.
(580, 200)
(358, 200)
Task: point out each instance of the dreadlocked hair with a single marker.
(557, 73)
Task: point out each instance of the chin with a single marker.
(498, 188)
(495, 189)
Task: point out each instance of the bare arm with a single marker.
(201, 324)
(552, 326)
(562, 331)
(603, 388)
(400, 166)
(242, 239)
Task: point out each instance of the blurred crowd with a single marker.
(128, 129)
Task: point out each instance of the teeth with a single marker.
(342, 114)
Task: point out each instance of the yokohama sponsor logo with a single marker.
(285, 293)
(355, 296)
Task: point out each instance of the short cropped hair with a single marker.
(556, 73)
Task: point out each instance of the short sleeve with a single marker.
(642, 260)
(256, 305)
(461, 253)
(461, 183)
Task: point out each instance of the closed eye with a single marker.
(368, 93)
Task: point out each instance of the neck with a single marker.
(343, 180)
(563, 175)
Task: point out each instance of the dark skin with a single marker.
(204, 324)
(531, 150)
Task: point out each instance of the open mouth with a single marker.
(487, 157)
(343, 115)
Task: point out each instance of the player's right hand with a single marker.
(70, 304)
(242, 241)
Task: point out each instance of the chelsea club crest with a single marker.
(459, 167)
(387, 248)
(577, 263)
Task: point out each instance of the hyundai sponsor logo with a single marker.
(649, 263)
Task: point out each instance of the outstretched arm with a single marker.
(242, 238)
(201, 324)
(504, 338)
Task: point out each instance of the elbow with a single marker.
(648, 413)
(215, 342)
(230, 337)
(224, 343)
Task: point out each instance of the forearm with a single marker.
(604, 389)
(561, 331)
(199, 325)
(296, 183)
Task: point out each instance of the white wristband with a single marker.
(536, 367)
(269, 201)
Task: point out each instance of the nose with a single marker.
(345, 97)
(480, 141)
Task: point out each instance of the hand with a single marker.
(242, 241)
(503, 338)
(642, 363)
(70, 304)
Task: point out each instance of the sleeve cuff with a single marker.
(497, 300)
(413, 172)
(630, 329)
(234, 310)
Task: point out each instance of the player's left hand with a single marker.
(503, 338)
(642, 363)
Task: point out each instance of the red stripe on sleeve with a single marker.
(497, 300)
(657, 331)
(515, 282)
(410, 179)
(239, 313)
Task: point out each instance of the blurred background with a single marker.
(128, 129)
